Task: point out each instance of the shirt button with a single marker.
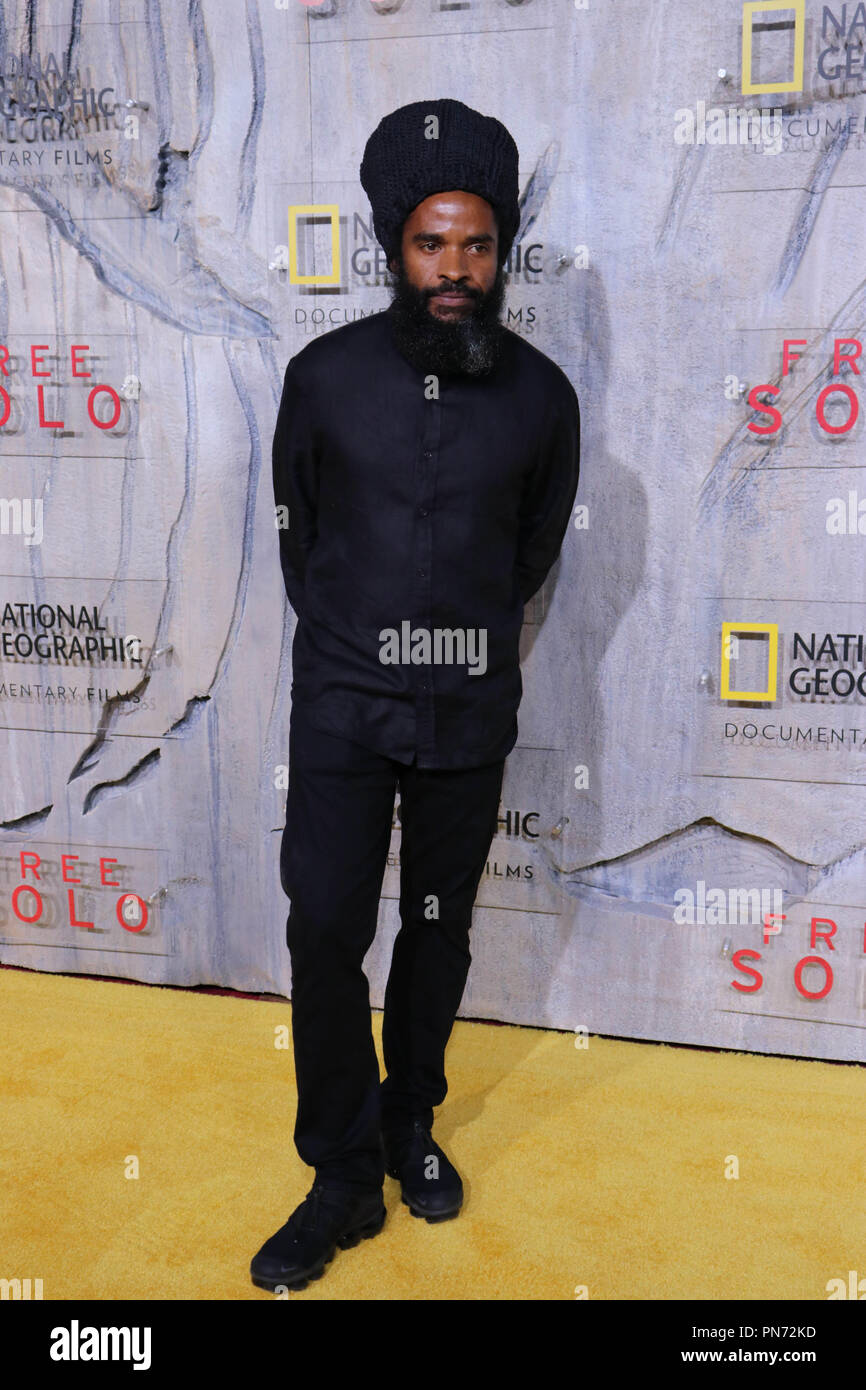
(427, 454)
(422, 511)
(422, 574)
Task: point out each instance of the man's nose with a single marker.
(452, 265)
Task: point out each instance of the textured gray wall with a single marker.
(662, 275)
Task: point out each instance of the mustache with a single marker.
(453, 289)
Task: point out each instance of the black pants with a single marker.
(332, 862)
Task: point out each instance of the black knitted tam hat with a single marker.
(401, 167)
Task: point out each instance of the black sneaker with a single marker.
(431, 1185)
(327, 1218)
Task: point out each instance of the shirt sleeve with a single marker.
(548, 499)
(296, 485)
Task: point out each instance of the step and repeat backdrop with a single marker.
(680, 850)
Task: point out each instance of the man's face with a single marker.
(449, 251)
(449, 288)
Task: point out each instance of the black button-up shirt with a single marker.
(411, 513)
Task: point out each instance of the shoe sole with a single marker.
(434, 1216)
(347, 1241)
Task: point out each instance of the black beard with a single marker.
(469, 346)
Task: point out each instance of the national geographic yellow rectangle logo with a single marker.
(729, 647)
(760, 7)
(319, 212)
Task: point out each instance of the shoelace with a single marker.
(314, 1201)
(402, 1140)
(312, 1204)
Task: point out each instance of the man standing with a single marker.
(428, 458)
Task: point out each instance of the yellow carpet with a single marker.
(601, 1168)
